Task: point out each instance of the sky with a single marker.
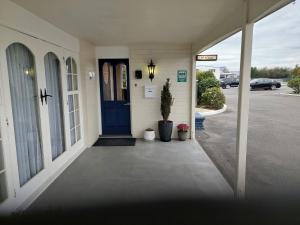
(276, 42)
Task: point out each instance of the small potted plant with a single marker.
(182, 131)
(149, 134)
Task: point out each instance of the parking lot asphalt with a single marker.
(273, 157)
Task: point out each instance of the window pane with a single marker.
(72, 120)
(3, 191)
(25, 109)
(78, 133)
(55, 104)
(73, 137)
(70, 103)
(74, 67)
(73, 99)
(76, 101)
(68, 64)
(1, 157)
(75, 83)
(108, 82)
(1, 153)
(77, 118)
(121, 80)
(70, 83)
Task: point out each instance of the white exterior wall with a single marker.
(112, 52)
(91, 111)
(16, 17)
(145, 113)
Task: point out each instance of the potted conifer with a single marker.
(165, 126)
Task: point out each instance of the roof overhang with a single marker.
(200, 23)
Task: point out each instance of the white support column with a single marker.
(243, 106)
(194, 96)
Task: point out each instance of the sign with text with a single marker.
(181, 75)
(150, 91)
(206, 57)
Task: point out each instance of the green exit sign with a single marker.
(181, 75)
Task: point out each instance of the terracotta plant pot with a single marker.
(182, 135)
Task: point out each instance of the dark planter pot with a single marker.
(165, 130)
(182, 135)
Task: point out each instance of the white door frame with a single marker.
(19, 195)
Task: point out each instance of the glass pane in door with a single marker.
(75, 83)
(73, 101)
(1, 153)
(121, 82)
(3, 189)
(24, 100)
(108, 82)
(69, 65)
(55, 104)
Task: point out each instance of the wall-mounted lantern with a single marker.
(151, 69)
(92, 75)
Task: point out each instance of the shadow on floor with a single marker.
(168, 212)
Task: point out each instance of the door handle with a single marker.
(46, 95)
(126, 104)
(42, 96)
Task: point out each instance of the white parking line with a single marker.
(289, 94)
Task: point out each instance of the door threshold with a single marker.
(115, 136)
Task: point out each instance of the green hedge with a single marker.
(205, 84)
(201, 75)
(295, 84)
(213, 98)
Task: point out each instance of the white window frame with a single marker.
(3, 171)
(72, 93)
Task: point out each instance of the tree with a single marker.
(273, 73)
(213, 98)
(296, 71)
(254, 72)
(224, 69)
(201, 75)
(295, 85)
(205, 80)
(166, 101)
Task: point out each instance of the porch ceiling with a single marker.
(125, 22)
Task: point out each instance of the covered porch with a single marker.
(146, 173)
(78, 35)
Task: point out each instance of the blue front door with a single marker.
(115, 96)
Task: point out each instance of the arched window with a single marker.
(73, 100)
(24, 100)
(55, 104)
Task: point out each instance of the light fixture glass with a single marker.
(29, 71)
(92, 75)
(151, 69)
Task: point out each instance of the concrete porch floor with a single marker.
(146, 172)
